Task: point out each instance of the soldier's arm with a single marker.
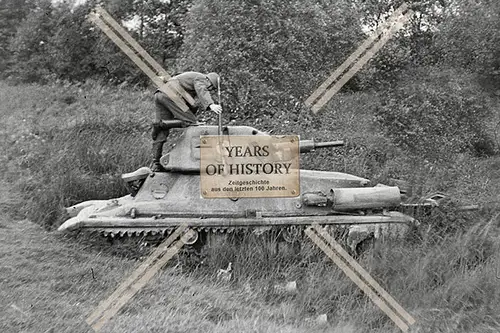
(201, 88)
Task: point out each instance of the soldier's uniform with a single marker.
(180, 105)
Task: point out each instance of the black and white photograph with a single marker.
(258, 166)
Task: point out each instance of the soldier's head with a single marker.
(213, 77)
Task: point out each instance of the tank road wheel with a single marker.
(364, 246)
(192, 239)
(191, 254)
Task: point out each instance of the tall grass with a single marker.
(447, 283)
(69, 143)
(66, 143)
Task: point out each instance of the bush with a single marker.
(437, 116)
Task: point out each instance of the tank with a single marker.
(159, 202)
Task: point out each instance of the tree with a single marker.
(159, 26)
(271, 54)
(469, 37)
(411, 47)
(12, 12)
(56, 41)
(30, 56)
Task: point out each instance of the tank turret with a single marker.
(185, 156)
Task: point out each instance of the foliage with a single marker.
(270, 54)
(69, 143)
(412, 46)
(160, 29)
(469, 36)
(91, 133)
(56, 41)
(11, 13)
(28, 46)
(451, 286)
(419, 112)
(437, 117)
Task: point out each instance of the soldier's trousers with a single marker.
(166, 109)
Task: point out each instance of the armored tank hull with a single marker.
(159, 202)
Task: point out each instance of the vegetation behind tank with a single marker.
(70, 141)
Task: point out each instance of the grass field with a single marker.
(65, 144)
(51, 283)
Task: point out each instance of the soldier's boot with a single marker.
(157, 153)
(160, 132)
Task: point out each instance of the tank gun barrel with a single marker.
(306, 146)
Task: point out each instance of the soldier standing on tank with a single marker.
(187, 86)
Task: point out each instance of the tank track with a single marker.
(287, 234)
(161, 232)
